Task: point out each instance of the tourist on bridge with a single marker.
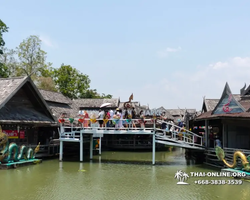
(142, 118)
(163, 124)
(86, 119)
(107, 117)
(180, 125)
(111, 113)
(125, 117)
(133, 114)
(117, 117)
(171, 127)
(120, 124)
(101, 117)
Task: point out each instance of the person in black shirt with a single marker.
(133, 113)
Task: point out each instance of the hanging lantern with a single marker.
(61, 120)
(71, 120)
(93, 120)
(81, 120)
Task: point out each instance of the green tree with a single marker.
(3, 29)
(46, 83)
(70, 82)
(104, 96)
(92, 94)
(9, 62)
(31, 57)
(4, 72)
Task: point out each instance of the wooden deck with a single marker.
(13, 165)
(184, 139)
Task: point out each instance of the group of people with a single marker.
(125, 118)
(115, 119)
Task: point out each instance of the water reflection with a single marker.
(104, 180)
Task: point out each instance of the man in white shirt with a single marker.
(100, 117)
(111, 113)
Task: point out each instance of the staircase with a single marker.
(179, 137)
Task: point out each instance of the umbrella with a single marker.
(104, 105)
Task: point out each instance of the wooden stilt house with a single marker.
(24, 112)
(227, 121)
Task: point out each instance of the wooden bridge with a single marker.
(177, 138)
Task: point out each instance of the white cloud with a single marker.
(186, 88)
(47, 41)
(167, 51)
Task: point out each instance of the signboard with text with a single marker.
(13, 134)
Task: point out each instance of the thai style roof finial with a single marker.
(242, 90)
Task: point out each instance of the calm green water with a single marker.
(102, 180)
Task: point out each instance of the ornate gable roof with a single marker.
(227, 103)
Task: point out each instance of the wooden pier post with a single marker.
(153, 146)
(100, 146)
(61, 151)
(91, 147)
(81, 146)
(61, 143)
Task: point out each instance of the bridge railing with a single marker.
(72, 130)
(182, 133)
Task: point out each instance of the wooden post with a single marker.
(153, 146)
(223, 135)
(100, 145)
(153, 151)
(91, 147)
(61, 151)
(81, 146)
(206, 133)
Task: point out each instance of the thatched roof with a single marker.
(58, 109)
(95, 103)
(57, 97)
(178, 112)
(209, 104)
(9, 86)
(21, 102)
(134, 104)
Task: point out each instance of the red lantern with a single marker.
(61, 120)
(81, 120)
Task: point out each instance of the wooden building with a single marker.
(24, 115)
(226, 120)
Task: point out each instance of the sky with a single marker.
(167, 53)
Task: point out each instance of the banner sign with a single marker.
(13, 134)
